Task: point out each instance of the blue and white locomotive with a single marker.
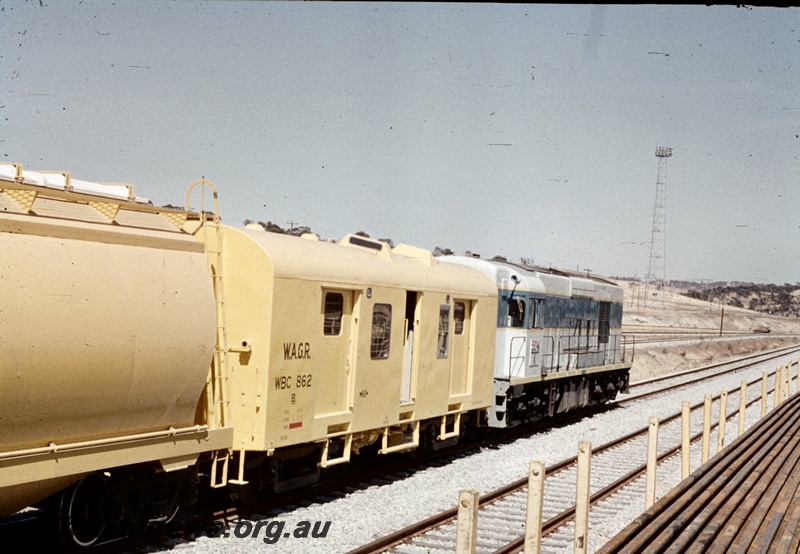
(559, 345)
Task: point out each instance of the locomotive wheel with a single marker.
(80, 514)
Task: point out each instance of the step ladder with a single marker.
(219, 394)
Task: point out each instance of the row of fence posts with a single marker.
(468, 500)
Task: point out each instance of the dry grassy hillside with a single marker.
(679, 313)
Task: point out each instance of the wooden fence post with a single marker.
(533, 520)
(685, 438)
(706, 426)
(467, 522)
(784, 383)
(784, 394)
(723, 416)
(742, 406)
(582, 498)
(652, 463)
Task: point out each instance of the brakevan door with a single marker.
(462, 348)
(407, 373)
(335, 352)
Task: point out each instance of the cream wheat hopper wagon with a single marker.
(106, 338)
(338, 346)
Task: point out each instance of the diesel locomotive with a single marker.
(143, 346)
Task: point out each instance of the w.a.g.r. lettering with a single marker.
(296, 351)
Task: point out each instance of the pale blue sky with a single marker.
(520, 130)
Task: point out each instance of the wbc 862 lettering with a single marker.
(287, 382)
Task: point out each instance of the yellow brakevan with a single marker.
(336, 346)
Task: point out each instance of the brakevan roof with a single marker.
(357, 261)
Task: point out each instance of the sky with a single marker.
(502, 129)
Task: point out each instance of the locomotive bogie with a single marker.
(520, 400)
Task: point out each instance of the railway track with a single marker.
(644, 329)
(618, 475)
(656, 385)
(745, 501)
(638, 340)
(216, 512)
(220, 513)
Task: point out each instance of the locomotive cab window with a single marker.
(458, 317)
(444, 330)
(381, 331)
(334, 304)
(516, 312)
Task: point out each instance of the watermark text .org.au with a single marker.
(272, 531)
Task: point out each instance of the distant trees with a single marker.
(696, 294)
(439, 251)
(275, 228)
(772, 299)
(298, 231)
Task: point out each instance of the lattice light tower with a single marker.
(656, 266)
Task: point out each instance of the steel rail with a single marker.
(404, 535)
(694, 514)
(699, 379)
(776, 352)
(555, 522)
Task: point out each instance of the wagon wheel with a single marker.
(80, 515)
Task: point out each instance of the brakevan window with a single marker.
(381, 331)
(458, 317)
(444, 330)
(334, 302)
(516, 312)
